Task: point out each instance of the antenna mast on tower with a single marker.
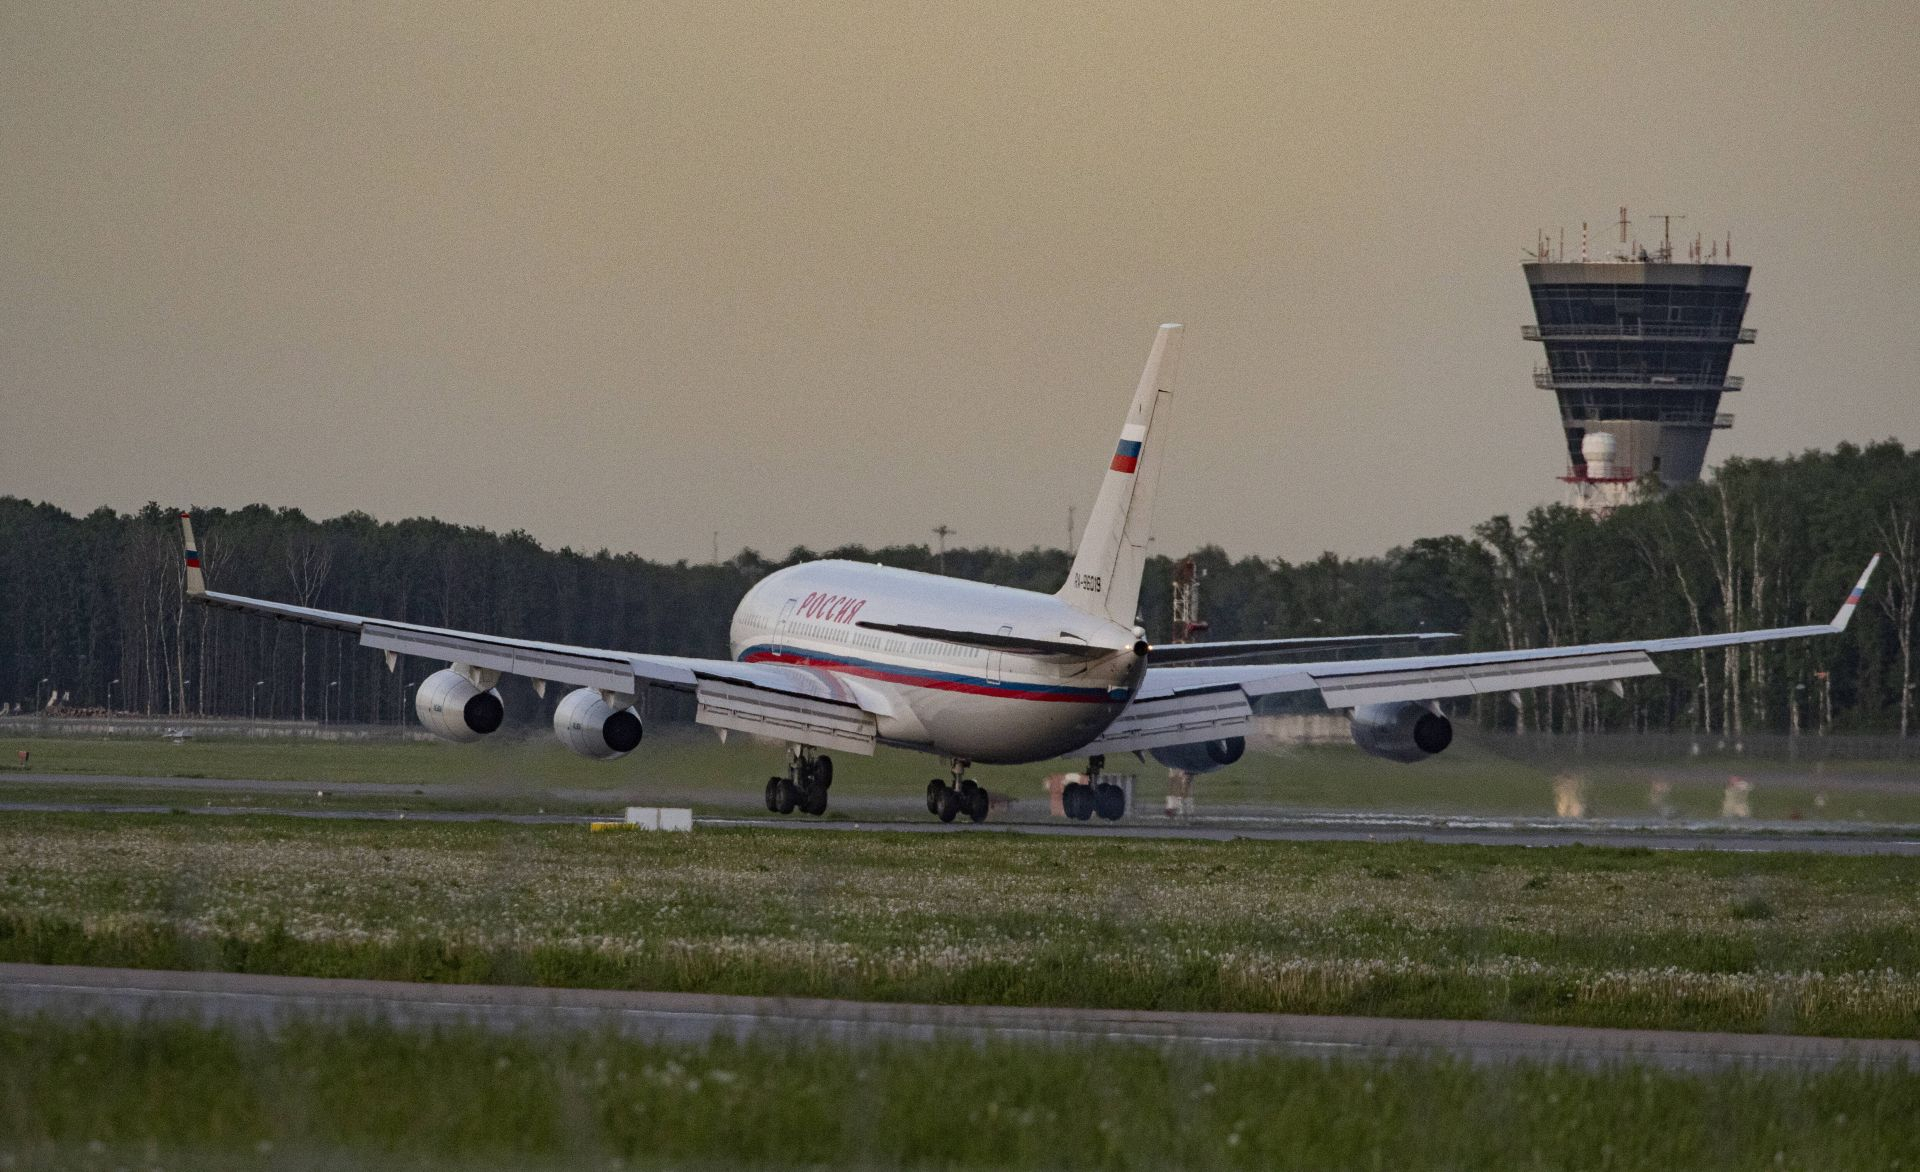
(1666, 235)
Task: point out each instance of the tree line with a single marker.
(93, 612)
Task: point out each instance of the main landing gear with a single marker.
(804, 788)
(1081, 800)
(964, 796)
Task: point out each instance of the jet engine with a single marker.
(1401, 732)
(1202, 756)
(591, 727)
(451, 706)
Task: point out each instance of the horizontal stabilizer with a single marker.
(1169, 653)
(1210, 715)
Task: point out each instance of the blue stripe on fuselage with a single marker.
(926, 678)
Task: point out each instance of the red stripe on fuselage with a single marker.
(1002, 691)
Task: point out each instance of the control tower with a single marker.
(1638, 344)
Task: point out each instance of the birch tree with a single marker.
(1898, 595)
(309, 560)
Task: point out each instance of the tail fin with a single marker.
(196, 579)
(1105, 579)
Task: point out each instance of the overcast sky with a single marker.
(817, 273)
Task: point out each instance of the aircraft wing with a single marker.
(778, 700)
(1351, 683)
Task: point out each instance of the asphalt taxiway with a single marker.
(896, 815)
(1485, 832)
(267, 1002)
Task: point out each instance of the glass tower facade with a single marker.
(1638, 350)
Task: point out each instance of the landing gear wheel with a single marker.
(813, 799)
(976, 800)
(1076, 801)
(949, 804)
(773, 794)
(1109, 801)
(784, 797)
(823, 773)
(934, 789)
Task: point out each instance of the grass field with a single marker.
(1775, 942)
(179, 1096)
(1475, 777)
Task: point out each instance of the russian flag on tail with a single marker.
(193, 555)
(196, 579)
(1845, 614)
(1126, 457)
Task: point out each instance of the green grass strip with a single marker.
(1769, 943)
(176, 1095)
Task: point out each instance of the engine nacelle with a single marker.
(451, 706)
(1201, 756)
(1401, 732)
(591, 727)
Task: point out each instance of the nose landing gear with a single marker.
(964, 796)
(804, 788)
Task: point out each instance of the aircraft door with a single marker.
(780, 628)
(997, 661)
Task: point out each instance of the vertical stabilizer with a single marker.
(1105, 579)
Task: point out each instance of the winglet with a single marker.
(196, 579)
(1845, 614)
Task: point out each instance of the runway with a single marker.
(250, 1001)
(868, 814)
(1304, 828)
(1388, 828)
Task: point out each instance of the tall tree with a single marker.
(1901, 594)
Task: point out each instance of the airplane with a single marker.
(844, 656)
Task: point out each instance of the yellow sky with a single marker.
(624, 275)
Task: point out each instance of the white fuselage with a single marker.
(992, 706)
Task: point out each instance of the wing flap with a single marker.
(826, 724)
(1172, 653)
(565, 665)
(1180, 719)
(1443, 680)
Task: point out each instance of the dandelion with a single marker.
(1256, 928)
